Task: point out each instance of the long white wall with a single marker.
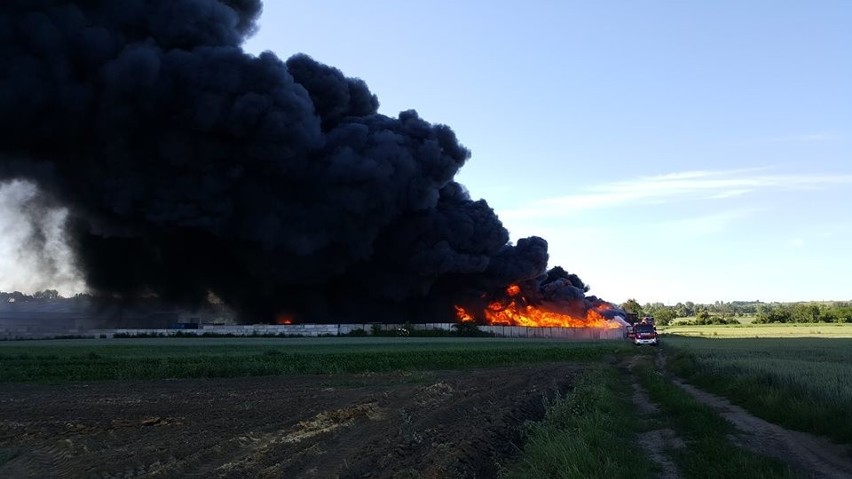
(310, 330)
(343, 329)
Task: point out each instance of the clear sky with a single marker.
(668, 151)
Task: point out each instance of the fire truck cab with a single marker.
(645, 333)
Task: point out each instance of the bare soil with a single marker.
(430, 424)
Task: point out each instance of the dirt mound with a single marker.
(428, 424)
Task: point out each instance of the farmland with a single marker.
(790, 330)
(289, 407)
(362, 406)
(162, 358)
(800, 382)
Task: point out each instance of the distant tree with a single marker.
(664, 315)
(830, 314)
(633, 306)
(804, 313)
(46, 294)
(773, 313)
(727, 309)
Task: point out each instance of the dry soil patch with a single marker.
(431, 425)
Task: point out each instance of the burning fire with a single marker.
(463, 315)
(283, 319)
(516, 310)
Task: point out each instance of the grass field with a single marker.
(582, 431)
(804, 383)
(794, 330)
(159, 358)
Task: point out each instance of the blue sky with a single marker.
(668, 151)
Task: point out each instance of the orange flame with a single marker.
(515, 310)
(283, 319)
(463, 315)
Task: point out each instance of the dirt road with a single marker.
(658, 443)
(811, 455)
(430, 424)
(808, 454)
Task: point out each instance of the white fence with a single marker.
(344, 329)
(310, 330)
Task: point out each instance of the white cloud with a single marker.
(675, 187)
(705, 224)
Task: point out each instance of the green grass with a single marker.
(709, 452)
(158, 358)
(790, 330)
(585, 434)
(800, 383)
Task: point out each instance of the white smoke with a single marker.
(34, 255)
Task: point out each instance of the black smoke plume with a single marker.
(188, 167)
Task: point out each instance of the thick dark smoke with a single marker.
(188, 166)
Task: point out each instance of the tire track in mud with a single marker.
(812, 455)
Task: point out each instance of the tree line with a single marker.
(19, 297)
(722, 312)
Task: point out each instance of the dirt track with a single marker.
(808, 454)
(658, 444)
(435, 424)
(811, 455)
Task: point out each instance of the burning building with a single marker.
(557, 300)
(189, 167)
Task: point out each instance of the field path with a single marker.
(812, 455)
(658, 443)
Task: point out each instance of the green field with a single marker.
(804, 383)
(794, 330)
(160, 358)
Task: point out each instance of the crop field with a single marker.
(793, 330)
(161, 358)
(279, 407)
(383, 407)
(804, 383)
